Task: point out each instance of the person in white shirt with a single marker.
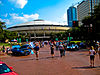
(92, 56)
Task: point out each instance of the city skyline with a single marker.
(20, 11)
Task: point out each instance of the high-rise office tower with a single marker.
(72, 15)
(85, 8)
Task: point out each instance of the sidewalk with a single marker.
(4, 55)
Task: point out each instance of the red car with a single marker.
(6, 70)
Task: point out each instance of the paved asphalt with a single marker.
(74, 63)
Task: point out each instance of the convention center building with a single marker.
(39, 29)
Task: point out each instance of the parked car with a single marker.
(72, 47)
(22, 50)
(6, 70)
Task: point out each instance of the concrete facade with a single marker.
(85, 8)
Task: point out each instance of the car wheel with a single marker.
(13, 53)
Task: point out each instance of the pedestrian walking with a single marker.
(61, 48)
(7, 50)
(43, 44)
(3, 49)
(36, 51)
(99, 51)
(57, 45)
(52, 50)
(92, 56)
(64, 49)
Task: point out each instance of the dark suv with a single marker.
(22, 50)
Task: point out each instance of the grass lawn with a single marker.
(5, 44)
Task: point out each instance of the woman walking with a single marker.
(52, 50)
(92, 56)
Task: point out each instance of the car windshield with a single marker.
(4, 69)
(15, 46)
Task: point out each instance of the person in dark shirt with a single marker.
(36, 51)
(64, 49)
(52, 50)
(61, 48)
(3, 49)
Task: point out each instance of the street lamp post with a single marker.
(69, 37)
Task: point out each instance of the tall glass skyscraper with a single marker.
(72, 15)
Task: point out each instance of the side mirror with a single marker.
(11, 68)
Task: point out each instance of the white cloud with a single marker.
(25, 17)
(0, 19)
(19, 3)
(50, 22)
(65, 18)
(7, 21)
(5, 15)
(15, 18)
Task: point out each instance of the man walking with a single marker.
(61, 48)
(36, 51)
(52, 50)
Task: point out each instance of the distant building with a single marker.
(39, 29)
(72, 15)
(85, 8)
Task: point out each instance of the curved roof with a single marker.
(38, 22)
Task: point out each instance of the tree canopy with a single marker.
(92, 23)
(5, 34)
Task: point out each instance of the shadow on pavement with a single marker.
(49, 57)
(16, 55)
(41, 58)
(44, 51)
(85, 67)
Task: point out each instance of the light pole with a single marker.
(69, 37)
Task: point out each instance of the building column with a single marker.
(44, 33)
(30, 36)
(34, 35)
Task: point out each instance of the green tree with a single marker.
(91, 24)
(5, 34)
(2, 26)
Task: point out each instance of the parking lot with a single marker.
(74, 63)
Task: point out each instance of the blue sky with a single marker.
(20, 11)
